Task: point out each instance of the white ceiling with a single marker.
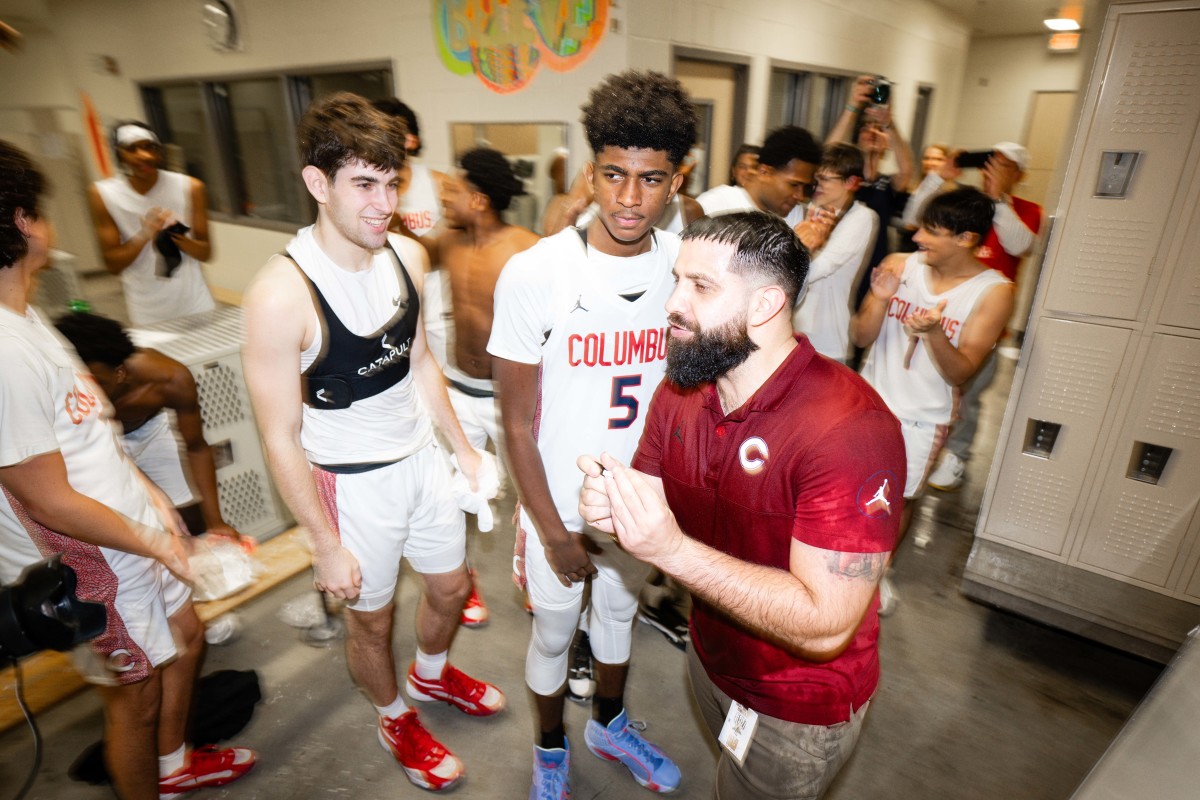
(1002, 17)
(986, 17)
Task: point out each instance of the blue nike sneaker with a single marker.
(622, 741)
(551, 774)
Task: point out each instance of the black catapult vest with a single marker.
(350, 367)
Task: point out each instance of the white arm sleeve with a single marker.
(1015, 238)
(917, 201)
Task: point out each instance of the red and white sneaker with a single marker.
(427, 763)
(208, 766)
(477, 698)
(474, 613)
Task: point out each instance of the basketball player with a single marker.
(580, 344)
(931, 319)
(349, 442)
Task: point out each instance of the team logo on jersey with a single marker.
(753, 454)
(877, 495)
(80, 402)
(121, 660)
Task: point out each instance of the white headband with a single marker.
(132, 134)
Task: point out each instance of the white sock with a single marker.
(430, 667)
(396, 708)
(171, 762)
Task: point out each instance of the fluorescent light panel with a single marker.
(1061, 24)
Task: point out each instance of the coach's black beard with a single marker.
(708, 355)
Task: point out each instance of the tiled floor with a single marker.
(974, 703)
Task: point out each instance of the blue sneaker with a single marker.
(551, 774)
(621, 741)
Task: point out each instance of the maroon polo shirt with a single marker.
(814, 455)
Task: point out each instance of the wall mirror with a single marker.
(532, 147)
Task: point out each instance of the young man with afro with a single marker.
(579, 346)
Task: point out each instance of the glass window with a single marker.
(238, 136)
(809, 99)
(264, 150)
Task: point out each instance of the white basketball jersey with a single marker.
(601, 359)
(899, 367)
(420, 206)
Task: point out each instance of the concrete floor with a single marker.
(974, 703)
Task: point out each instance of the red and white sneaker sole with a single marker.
(423, 778)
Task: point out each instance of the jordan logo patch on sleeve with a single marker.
(878, 494)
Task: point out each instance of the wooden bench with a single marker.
(50, 676)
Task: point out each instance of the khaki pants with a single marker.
(786, 760)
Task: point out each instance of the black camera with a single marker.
(882, 91)
(41, 611)
(972, 160)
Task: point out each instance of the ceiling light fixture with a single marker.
(1061, 24)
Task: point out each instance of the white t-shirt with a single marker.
(49, 402)
(150, 297)
(900, 369)
(824, 313)
(601, 356)
(726, 199)
(392, 424)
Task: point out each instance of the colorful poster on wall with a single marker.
(505, 42)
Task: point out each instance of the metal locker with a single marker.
(1073, 367)
(1150, 488)
(1147, 106)
(1089, 520)
(209, 344)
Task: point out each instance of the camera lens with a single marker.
(881, 94)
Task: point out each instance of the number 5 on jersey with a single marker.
(628, 403)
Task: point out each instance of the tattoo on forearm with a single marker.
(868, 566)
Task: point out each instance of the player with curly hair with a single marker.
(579, 340)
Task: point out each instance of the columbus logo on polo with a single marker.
(753, 455)
(879, 494)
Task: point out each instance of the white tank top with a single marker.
(420, 207)
(906, 378)
(149, 297)
(421, 210)
(390, 425)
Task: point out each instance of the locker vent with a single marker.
(1176, 405)
(220, 396)
(1077, 379)
(1157, 90)
(1041, 502)
(1112, 256)
(244, 501)
(1145, 530)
